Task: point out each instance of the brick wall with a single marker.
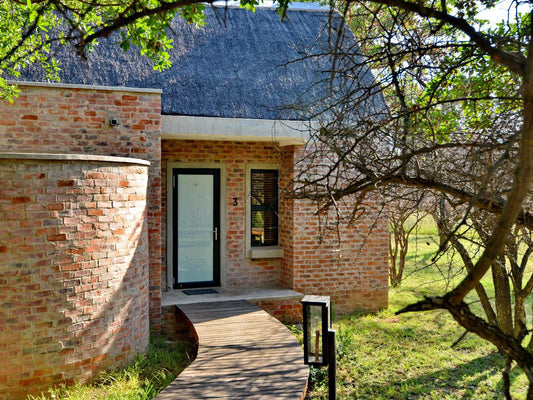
(288, 311)
(353, 271)
(240, 271)
(69, 119)
(348, 263)
(75, 120)
(286, 209)
(73, 270)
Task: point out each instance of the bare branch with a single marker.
(514, 61)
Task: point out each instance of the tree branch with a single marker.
(117, 24)
(506, 344)
(513, 207)
(488, 204)
(514, 61)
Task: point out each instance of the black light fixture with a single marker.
(317, 322)
(319, 338)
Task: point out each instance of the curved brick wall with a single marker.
(73, 268)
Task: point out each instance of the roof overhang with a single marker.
(236, 129)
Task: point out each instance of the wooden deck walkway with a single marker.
(243, 353)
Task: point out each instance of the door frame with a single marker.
(171, 166)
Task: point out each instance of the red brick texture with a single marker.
(66, 119)
(288, 311)
(68, 268)
(349, 264)
(73, 270)
(240, 271)
(353, 271)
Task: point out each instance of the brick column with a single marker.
(74, 260)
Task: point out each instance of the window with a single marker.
(264, 207)
(262, 220)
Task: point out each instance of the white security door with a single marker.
(196, 227)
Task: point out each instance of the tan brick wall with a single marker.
(288, 311)
(286, 231)
(73, 270)
(75, 121)
(354, 271)
(240, 271)
(351, 267)
(349, 264)
(65, 119)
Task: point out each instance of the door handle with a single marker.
(215, 231)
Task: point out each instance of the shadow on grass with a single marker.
(461, 382)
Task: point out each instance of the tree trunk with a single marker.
(502, 296)
(393, 253)
(507, 379)
(469, 265)
(439, 220)
(520, 328)
(398, 250)
(401, 261)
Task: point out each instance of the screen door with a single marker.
(196, 227)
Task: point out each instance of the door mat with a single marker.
(191, 292)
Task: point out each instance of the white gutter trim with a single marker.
(284, 132)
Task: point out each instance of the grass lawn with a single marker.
(142, 380)
(410, 356)
(384, 356)
(380, 356)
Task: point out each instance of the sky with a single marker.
(501, 9)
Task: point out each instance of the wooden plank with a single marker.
(244, 353)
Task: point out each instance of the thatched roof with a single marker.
(238, 66)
